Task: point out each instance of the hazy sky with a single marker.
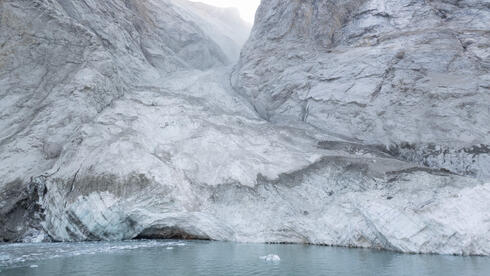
(247, 7)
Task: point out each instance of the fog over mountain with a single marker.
(360, 123)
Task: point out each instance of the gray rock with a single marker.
(384, 72)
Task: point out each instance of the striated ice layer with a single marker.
(337, 201)
(119, 121)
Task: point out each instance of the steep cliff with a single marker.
(410, 75)
(118, 121)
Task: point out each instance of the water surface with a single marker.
(219, 258)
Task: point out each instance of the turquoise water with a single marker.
(220, 258)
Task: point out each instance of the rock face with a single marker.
(410, 75)
(119, 122)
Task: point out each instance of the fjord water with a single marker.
(220, 258)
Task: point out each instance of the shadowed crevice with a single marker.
(165, 232)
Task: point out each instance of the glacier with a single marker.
(346, 123)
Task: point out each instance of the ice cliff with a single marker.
(350, 123)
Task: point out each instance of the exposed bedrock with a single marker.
(388, 72)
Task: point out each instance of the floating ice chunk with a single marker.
(33, 266)
(34, 237)
(170, 248)
(271, 258)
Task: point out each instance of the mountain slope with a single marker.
(119, 121)
(410, 75)
(66, 61)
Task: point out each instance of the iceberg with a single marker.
(271, 258)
